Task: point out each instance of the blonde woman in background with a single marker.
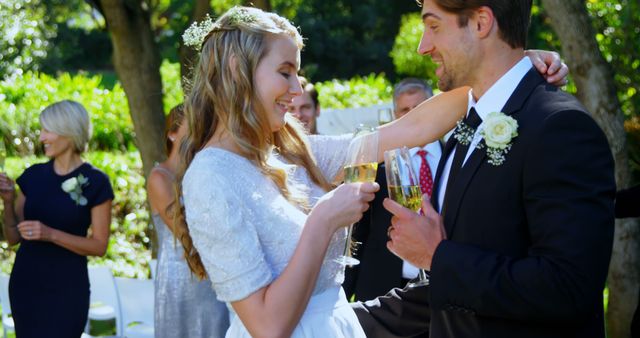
(60, 216)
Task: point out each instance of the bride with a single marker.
(247, 224)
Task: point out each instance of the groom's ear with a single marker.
(484, 22)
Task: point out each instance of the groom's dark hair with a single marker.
(513, 16)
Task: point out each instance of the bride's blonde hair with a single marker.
(225, 96)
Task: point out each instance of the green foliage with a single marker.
(24, 36)
(78, 48)
(286, 8)
(356, 92)
(170, 73)
(129, 244)
(28, 29)
(220, 7)
(349, 37)
(406, 59)
(617, 25)
(23, 98)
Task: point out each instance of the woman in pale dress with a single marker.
(185, 307)
(249, 229)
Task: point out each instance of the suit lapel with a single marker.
(459, 187)
(477, 158)
(522, 92)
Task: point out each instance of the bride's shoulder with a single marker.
(217, 167)
(217, 160)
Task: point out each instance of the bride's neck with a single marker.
(222, 139)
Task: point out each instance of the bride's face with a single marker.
(276, 79)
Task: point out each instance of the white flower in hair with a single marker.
(195, 34)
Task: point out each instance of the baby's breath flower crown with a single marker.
(195, 35)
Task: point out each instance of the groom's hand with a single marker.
(414, 237)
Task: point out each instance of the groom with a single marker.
(525, 190)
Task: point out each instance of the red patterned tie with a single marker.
(426, 179)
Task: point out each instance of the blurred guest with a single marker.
(306, 107)
(184, 306)
(380, 270)
(60, 215)
(628, 202)
(628, 205)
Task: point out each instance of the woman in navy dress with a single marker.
(58, 202)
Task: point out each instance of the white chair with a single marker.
(153, 267)
(7, 320)
(137, 302)
(104, 300)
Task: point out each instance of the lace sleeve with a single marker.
(330, 152)
(224, 235)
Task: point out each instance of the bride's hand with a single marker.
(550, 66)
(345, 204)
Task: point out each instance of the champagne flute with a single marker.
(362, 164)
(404, 188)
(384, 116)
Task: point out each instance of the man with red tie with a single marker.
(379, 269)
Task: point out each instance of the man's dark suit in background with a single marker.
(628, 205)
(379, 270)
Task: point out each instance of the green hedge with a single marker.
(356, 92)
(23, 98)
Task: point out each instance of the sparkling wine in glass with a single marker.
(384, 116)
(362, 164)
(404, 188)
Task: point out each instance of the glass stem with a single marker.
(422, 276)
(347, 243)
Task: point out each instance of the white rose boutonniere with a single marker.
(498, 130)
(73, 186)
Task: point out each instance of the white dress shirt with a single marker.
(434, 152)
(492, 101)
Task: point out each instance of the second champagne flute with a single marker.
(384, 116)
(404, 188)
(362, 164)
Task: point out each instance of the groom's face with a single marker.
(450, 46)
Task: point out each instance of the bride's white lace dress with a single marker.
(246, 233)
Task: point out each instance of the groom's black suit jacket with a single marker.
(528, 242)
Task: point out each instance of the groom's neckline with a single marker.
(499, 93)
